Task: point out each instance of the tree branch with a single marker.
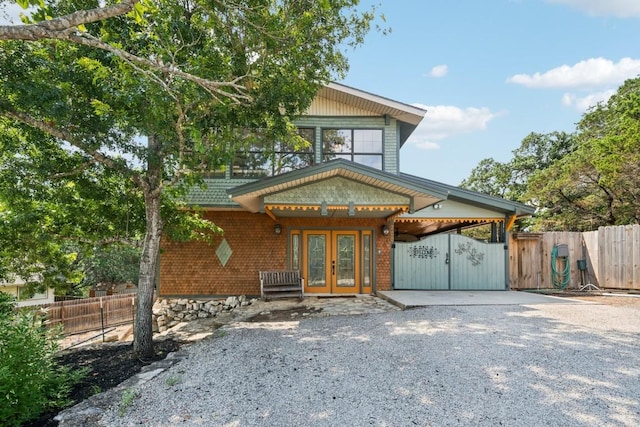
(65, 28)
(71, 139)
(107, 241)
(74, 172)
(45, 29)
(215, 88)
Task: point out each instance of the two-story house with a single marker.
(338, 211)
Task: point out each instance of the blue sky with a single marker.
(490, 72)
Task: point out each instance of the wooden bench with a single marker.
(281, 284)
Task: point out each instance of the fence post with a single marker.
(102, 319)
(62, 314)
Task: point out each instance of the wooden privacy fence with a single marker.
(611, 255)
(88, 314)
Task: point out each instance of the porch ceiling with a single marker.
(426, 227)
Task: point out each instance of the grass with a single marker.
(173, 380)
(128, 395)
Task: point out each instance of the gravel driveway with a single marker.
(551, 365)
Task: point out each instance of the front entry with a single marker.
(336, 262)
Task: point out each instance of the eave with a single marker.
(367, 101)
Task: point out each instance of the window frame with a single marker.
(270, 162)
(352, 154)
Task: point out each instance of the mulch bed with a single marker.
(108, 364)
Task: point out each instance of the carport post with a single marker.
(506, 234)
(393, 267)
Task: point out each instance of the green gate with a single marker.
(449, 262)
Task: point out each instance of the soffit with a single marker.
(373, 103)
(449, 210)
(425, 227)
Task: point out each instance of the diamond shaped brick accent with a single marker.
(224, 252)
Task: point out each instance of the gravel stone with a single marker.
(542, 365)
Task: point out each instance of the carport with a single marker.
(430, 253)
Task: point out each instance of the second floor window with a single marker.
(270, 158)
(362, 146)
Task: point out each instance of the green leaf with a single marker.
(100, 107)
(138, 12)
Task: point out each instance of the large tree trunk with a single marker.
(143, 328)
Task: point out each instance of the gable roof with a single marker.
(251, 195)
(408, 116)
(376, 103)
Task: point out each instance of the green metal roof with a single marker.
(475, 198)
(213, 193)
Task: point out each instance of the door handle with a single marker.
(446, 260)
(333, 268)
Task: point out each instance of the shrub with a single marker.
(31, 381)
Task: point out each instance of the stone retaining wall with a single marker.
(169, 312)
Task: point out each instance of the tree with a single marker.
(52, 222)
(185, 75)
(509, 180)
(490, 177)
(599, 183)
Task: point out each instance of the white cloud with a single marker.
(444, 121)
(619, 8)
(428, 145)
(590, 73)
(439, 71)
(583, 103)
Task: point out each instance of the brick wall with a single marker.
(193, 268)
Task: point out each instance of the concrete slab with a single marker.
(408, 299)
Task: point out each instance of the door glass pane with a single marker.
(316, 268)
(295, 252)
(366, 260)
(346, 274)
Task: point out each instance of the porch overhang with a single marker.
(462, 209)
(338, 188)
